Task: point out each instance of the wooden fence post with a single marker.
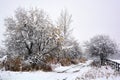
(118, 66)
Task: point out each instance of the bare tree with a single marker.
(70, 47)
(63, 23)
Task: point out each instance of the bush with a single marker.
(13, 64)
(46, 67)
(95, 63)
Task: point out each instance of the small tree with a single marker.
(101, 44)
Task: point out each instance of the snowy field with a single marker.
(81, 71)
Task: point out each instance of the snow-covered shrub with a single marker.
(25, 65)
(70, 47)
(71, 52)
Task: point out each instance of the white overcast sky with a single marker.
(90, 17)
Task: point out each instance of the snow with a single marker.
(71, 72)
(102, 73)
(118, 61)
(66, 47)
(38, 75)
(81, 71)
(4, 58)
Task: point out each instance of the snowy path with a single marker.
(71, 69)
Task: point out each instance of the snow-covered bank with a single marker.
(81, 71)
(39, 75)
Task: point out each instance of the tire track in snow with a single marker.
(80, 66)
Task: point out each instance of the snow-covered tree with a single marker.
(30, 33)
(101, 44)
(2, 52)
(70, 47)
(63, 23)
(73, 51)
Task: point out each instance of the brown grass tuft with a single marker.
(83, 59)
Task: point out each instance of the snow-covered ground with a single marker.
(102, 73)
(59, 73)
(81, 71)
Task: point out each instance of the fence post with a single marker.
(118, 67)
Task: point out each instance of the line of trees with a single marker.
(31, 36)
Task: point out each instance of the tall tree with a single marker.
(69, 45)
(63, 23)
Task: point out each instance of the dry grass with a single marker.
(51, 60)
(65, 62)
(34, 67)
(17, 64)
(13, 64)
(74, 61)
(82, 59)
(46, 68)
